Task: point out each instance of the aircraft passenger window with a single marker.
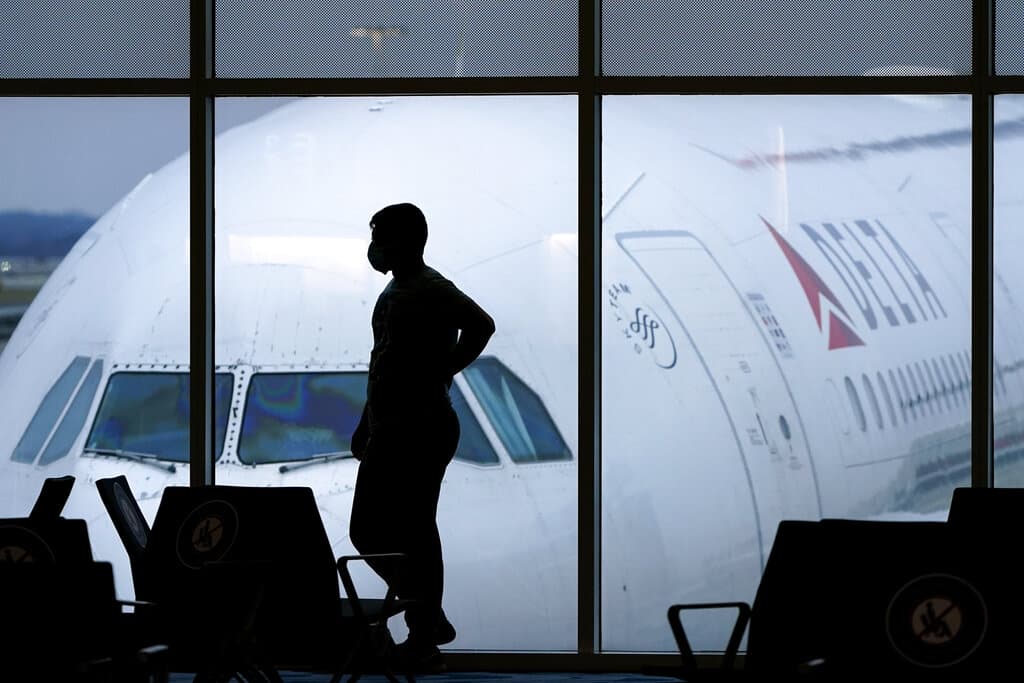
(873, 400)
(49, 410)
(296, 416)
(517, 413)
(965, 363)
(947, 386)
(899, 397)
(858, 409)
(473, 443)
(147, 413)
(74, 419)
(936, 384)
(921, 391)
(929, 389)
(910, 391)
(888, 399)
(961, 385)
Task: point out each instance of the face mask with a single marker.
(378, 258)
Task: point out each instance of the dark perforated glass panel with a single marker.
(49, 411)
(85, 39)
(1009, 37)
(396, 38)
(146, 414)
(786, 37)
(74, 419)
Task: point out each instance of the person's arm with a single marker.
(361, 435)
(474, 324)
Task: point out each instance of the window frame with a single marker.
(589, 85)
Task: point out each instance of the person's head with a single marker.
(398, 234)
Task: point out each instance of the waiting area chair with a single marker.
(844, 600)
(62, 620)
(52, 497)
(260, 552)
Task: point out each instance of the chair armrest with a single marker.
(689, 662)
(154, 662)
(350, 586)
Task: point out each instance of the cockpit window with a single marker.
(49, 411)
(295, 416)
(517, 413)
(74, 419)
(147, 413)
(473, 444)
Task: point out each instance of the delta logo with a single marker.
(885, 284)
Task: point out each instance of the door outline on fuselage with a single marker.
(620, 239)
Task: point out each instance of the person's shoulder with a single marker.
(435, 279)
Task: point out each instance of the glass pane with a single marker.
(142, 38)
(396, 38)
(518, 415)
(290, 417)
(776, 271)
(296, 189)
(94, 218)
(147, 415)
(71, 425)
(1008, 286)
(474, 446)
(49, 411)
(786, 38)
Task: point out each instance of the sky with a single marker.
(66, 154)
(83, 154)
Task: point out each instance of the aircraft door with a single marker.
(705, 304)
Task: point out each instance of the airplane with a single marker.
(785, 321)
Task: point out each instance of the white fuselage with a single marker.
(785, 326)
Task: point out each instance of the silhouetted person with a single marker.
(409, 431)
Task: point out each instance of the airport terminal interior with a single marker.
(702, 332)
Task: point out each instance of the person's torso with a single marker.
(412, 348)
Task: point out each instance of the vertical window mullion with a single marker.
(982, 430)
(201, 277)
(589, 336)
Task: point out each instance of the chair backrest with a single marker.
(45, 541)
(52, 497)
(910, 599)
(783, 629)
(58, 617)
(277, 528)
(985, 508)
(131, 527)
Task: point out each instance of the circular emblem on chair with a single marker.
(936, 620)
(18, 544)
(207, 534)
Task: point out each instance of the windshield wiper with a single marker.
(147, 458)
(315, 459)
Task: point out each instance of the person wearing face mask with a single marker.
(425, 331)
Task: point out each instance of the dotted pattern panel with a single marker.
(1009, 37)
(91, 39)
(786, 37)
(396, 38)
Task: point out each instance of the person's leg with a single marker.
(372, 524)
(426, 577)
